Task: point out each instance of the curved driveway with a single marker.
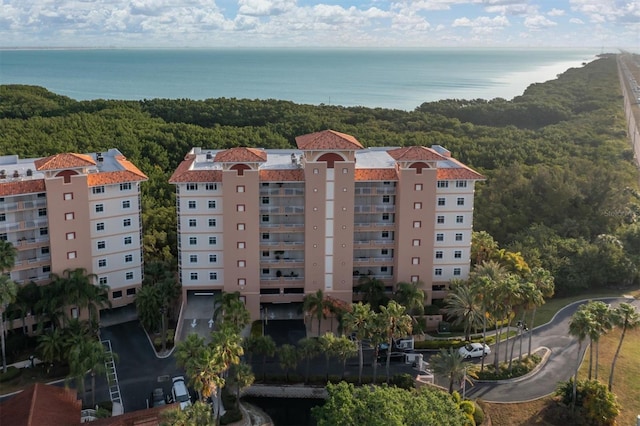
(560, 365)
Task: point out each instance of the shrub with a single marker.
(404, 381)
(12, 373)
(519, 368)
(478, 415)
(593, 399)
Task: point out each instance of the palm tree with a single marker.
(288, 356)
(261, 345)
(579, 325)
(314, 305)
(628, 318)
(376, 334)
(543, 280)
(189, 349)
(308, 348)
(77, 287)
(8, 255)
(327, 345)
(398, 324)
(230, 309)
(26, 299)
(198, 413)
(50, 306)
(149, 305)
(51, 346)
(8, 293)
(482, 247)
(449, 363)
(373, 292)
(344, 348)
(463, 304)
(411, 297)
(88, 356)
(227, 345)
(358, 322)
(603, 323)
(241, 376)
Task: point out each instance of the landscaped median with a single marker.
(520, 368)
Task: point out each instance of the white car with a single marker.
(180, 393)
(474, 350)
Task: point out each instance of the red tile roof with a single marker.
(376, 174)
(241, 155)
(64, 161)
(459, 173)
(281, 175)
(328, 140)
(415, 153)
(149, 417)
(130, 174)
(41, 405)
(22, 187)
(183, 174)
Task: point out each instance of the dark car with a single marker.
(157, 398)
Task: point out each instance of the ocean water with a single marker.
(386, 78)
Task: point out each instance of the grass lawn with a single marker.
(33, 375)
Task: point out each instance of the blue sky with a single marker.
(327, 23)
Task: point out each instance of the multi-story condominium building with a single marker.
(279, 224)
(71, 211)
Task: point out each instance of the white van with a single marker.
(180, 393)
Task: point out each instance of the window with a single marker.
(345, 171)
(99, 208)
(386, 199)
(442, 201)
(72, 255)
(4, 237)
(385, 217)
(457, 254)
(101, 245)
(193, 258)
(46, 269)
(415, 278)
(211, 203)
(193, 276)
(125, 186)
(130, 291)
(458, 237)
(127, 240)
(440, 219)
(242, 245)
(191, 204)
(192, 187)
(102, 280)
(384, 252)
(193, 223)
(415, 260)
(456, 271)
(98, 189)
(211, 186)
(213, 258)
(439, 237)
(265, 218)
(240, 207)
(68, 196)
(213, 241)
(265, 253)
(71, 235)
(240, 188)
(438, 272)
(69, 216)
(416, 243)
(459, 219)
(417, 206)
(443, 184)
(44, 250)
(126, 222)
(242, 264)
(265, 235)
(3, 217)
(193, 241)
(128, 258)
(42, 212)
(213, 276)
(417, 187)
(265, 200)
(241, 227)
(384, 269)
(102, 263)
(461, 184)
(100, 226)
(117, 294)
(212, 222)
(129, 276)
(126, 204)
(417, 224)
(385, 234)
(44, 231)
(460, 201)
(439, 254)
(316, 171)
(242, 282)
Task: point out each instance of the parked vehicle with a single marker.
(180, 393)
(157, 398)
(474, 350)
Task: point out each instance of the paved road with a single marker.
(559, 367)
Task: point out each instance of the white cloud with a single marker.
(576, 21)
(555, 12)
(265, 7)
(538, 22)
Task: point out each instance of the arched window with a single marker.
(240, 168)
(66, 175)
(330, 158)
(419, 167)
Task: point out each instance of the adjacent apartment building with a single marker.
(69, 211)
(276, 224)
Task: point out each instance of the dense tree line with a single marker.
(561, 186)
